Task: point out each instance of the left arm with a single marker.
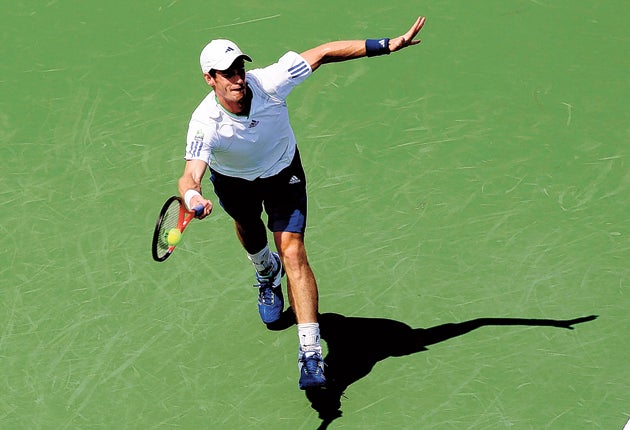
(344, 50)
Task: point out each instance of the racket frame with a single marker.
(184, 218)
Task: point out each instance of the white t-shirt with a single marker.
(255, 146)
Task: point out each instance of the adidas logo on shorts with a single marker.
(294, 180)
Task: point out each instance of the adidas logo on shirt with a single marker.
(294, 180)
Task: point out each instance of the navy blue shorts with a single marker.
(282, 196)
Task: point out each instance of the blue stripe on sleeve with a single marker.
(195, 148)
(298, 70)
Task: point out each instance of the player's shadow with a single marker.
(356, 344)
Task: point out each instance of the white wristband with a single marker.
(188, 195)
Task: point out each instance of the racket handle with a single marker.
(198, 210)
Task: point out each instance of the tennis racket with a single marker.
(174, 215)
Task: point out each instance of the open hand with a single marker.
(407, 39)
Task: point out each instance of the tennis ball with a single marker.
(173, 237)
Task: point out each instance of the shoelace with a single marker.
(312, 365)
(265, 294)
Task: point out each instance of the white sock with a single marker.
(262, 260)
(309, 337)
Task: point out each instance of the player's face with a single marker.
(229, 85)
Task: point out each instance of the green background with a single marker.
(481, 174)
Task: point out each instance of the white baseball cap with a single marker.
(219, 54)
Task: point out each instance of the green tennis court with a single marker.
(469, 204)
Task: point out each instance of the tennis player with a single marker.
(241, 133)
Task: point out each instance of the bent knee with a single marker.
(293, 253)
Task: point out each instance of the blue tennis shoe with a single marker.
(311, 365)
(270, 300)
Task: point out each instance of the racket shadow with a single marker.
(348, 359)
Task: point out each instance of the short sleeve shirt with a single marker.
(258, 145)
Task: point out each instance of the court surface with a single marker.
(469, 204)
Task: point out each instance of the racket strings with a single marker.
(169, 220)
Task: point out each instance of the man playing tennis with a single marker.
(241, 133)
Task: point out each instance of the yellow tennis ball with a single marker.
(173, 237)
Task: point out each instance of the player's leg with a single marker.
(252, 235)
(304, 299)
(268, 266)
(242, 200)
(286, 204)
(301, 283)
